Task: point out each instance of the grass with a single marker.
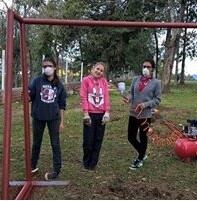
(163, 175)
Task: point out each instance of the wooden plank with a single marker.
(41, 183)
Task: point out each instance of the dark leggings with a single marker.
(92, 140)
(134, 126)
(38, 131)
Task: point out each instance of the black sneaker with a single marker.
(34, 170)
(144, 158)
(136, 164)
(50, 175)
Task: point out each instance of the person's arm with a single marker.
(84, 101)
(127, 98)
(32, 90)
(156, 97)
(106, 116)
(84, 96)
(106, 97)
(62, 106)
(62, 120)
(129, 94)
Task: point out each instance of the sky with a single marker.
(8, 2)
(190, 65)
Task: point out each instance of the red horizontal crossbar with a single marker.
(126, 24)
(104, 23)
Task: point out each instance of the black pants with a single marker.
(134, 126)
(92, 141)
(38, 130)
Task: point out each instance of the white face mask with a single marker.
(48, 71)
(145, 72)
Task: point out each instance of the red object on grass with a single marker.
(186, 148)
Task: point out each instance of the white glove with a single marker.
(87, 119)
(105, 118)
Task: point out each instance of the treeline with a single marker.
(122, 49)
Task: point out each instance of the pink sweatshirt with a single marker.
(94, 95)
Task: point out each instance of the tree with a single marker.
(122, 49)
(175, 13)
(188, 38)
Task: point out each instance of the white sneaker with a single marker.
(34, 170)
(50, 175)
(145, 157)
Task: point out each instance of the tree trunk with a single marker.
(156, 52)
(182, 77)
(177, 76)
(170, 49)
(171, 44)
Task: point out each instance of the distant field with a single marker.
(163, 175)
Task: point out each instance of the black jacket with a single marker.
(47, 98)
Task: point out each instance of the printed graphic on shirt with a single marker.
(48, 93)
(96, 98)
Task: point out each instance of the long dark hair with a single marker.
(56, 79)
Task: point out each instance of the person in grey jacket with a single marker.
(145, 95)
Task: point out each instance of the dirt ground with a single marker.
(138, 190)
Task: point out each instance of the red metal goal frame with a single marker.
(28, 184)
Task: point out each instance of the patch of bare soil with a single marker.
(117, 189)
(143, 191)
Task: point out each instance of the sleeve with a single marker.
(84, 95)
(62, 98)
(132, 89)
(32, 90)
(156, 96)
(106, 97)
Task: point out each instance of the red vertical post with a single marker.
(25, 100)
(8, 106)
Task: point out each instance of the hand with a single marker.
(139, 109)
(125, 99)
(145, 125)
(61, 128)
(87, 119)
(105, 118)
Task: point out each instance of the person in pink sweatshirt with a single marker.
(95, 104)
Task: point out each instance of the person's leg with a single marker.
(133, 127)
(98, 139)
(88, 138)
(38, 130)
(143, 137)
(53, 127)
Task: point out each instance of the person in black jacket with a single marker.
(48, 97)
